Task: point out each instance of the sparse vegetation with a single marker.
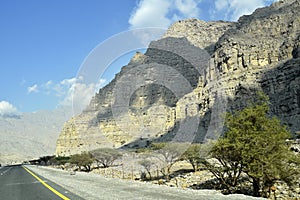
(192, 155)
(84, 160)
(45, 160)
(251, 156)
(106, 156)
(147, 164)
(169, 153)
(59, 160)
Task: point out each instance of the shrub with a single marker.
(84, 160)
(192, 155)
(147, 164)
(106, 156)
(169, 153)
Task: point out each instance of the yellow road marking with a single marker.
(46, 185)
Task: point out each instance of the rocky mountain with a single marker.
(30, 135)
(180, 88)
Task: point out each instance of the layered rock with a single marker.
(195, 73)
(201, 34)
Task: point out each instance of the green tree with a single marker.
(192, 155)
(60, 160)
(229, 165)
(46, 160)
(84, 160)
(254, 144)
(106, 156)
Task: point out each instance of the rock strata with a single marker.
(196, 72)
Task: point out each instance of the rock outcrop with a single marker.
(180, 88)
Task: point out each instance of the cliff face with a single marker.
(196, 72)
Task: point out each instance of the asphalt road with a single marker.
(96, 187)
(18, 183)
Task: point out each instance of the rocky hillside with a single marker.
(30, 135)
(180, 88)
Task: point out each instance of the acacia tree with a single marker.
(193, 156)
(147, 164)
(84, 160)
(169, 153)
(106, 156)
(254, 144)
(229, 165)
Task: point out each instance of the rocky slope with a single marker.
(30, 135)
(180, 88)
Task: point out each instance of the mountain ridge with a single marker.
(30, 135)
(260, 52)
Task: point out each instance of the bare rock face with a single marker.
(201, 34)
(194, 74)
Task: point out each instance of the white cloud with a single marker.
(150, 13)
(80, 94)
(233, 9)
(221, 4)
(161, 13)
(33, 88)
(49, 83)
(188, 8)
(69, 92)
(100, 84)
(7, 109)
(68, 82)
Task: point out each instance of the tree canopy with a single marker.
(106, 156)
(254, 144)
(84, 160)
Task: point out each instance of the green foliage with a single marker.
(157, 146)
(45, 160)
(60, 160)
(84, 160)
(106, 156)
(229, 167)
(255, 145)
(193, 156)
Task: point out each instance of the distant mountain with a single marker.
(30, 135)
(175, 85)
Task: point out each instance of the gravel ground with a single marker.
(93, 186)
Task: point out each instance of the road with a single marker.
(17, 182)
(96, 187)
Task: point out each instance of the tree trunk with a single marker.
(256, 187)
(149, 174)
(193, 165)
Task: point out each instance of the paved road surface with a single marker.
(17, 183)
(95, 187)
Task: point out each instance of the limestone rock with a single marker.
(194, 74)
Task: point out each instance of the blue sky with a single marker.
(44, 42)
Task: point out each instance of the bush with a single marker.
(106, 156)
(147, 164)
(170, 153)
(59, 160)
(84, 160)
(192, 155)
